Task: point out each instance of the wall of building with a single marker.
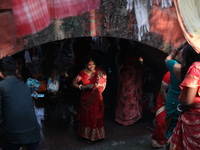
(112, 19)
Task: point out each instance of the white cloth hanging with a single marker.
(129, 5)
(142, 17)
(142, 13)
(27, 57)
(166, 3)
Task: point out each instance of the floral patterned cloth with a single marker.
(128, 109)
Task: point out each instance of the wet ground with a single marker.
(59, 128)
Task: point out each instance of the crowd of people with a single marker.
(177, 115)
(177, 103)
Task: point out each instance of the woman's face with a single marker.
(91, 66)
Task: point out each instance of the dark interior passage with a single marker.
(57, 111)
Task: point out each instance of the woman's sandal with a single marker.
(146, 125)
(89, 141)
(149, 126)
(157, 147)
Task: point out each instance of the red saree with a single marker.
(159, 133)
(186, 135)
(91, 108)
(129, 94)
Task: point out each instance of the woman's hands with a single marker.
(87, 86)
(34, 94)
(175, 51)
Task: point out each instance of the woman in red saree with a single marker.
(186, 135)
(159, 133)
(92, 82)
(129, 94)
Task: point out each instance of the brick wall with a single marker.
(5, 4)
(9, 44)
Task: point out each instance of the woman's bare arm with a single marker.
(175, 51)
(75, 82)
(190, 95)
(188, 98)
(163, 90)
(169, 57)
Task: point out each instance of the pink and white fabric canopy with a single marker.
(32, 16)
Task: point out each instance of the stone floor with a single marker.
(59, 129)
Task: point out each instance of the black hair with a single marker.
(97, 56)
(8, 66)
(88, 59)
(189, 56)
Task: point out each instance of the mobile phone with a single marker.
(38, 95)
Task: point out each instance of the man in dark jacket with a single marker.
(20, 126)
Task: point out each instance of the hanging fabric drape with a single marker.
(32, 16)
(129, 5)
(188, 13)
(142, 13)
(166, 3)
(142, 17)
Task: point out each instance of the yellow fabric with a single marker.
(188, 12)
